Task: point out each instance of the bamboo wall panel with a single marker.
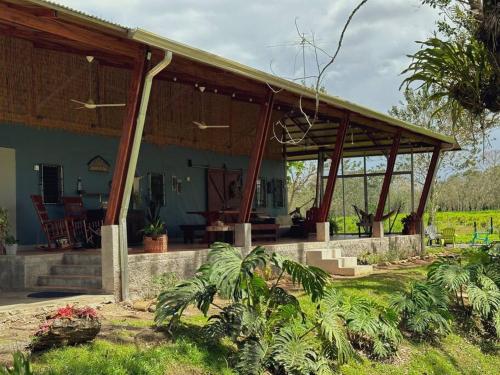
(36, 86)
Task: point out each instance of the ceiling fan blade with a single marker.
(111, 105)
(78, 101)
(81, 107)
(217, 126)
(200, 125)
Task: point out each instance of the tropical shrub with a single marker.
(474, 290)
(266, 323)
(423, 309)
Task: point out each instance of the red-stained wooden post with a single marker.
(378, 225)
(126, 140)
(334, 169)
(391, 162)
(256, 158)
(431, 173)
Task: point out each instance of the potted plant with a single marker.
(10, 245)
(155, 234)
(410, 224)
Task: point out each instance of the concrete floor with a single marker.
(19, 302)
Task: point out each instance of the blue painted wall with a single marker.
(73, 151)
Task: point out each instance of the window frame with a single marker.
(60, 182)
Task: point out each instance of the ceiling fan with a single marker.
(90, 104)
(201, 124)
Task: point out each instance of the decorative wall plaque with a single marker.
(98, 164)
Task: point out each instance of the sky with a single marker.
(262, 34)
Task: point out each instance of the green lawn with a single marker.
(190, 354)
(463, 222)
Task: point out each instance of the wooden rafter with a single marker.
(66, 30)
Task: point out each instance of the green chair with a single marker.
(448, 236)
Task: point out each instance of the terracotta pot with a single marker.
(156, 245)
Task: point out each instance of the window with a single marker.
(278, 193)
(157, 188)
(51, 183)
(261, 193)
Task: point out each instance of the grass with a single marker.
(189, 354)
(463, 222)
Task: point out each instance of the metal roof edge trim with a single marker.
(199, 55)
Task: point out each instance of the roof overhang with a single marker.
(371, 132)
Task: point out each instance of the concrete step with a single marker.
(64, 281)
(82, 259)
(70, 289)
(332, 261)
(354, 271)
(76, 269)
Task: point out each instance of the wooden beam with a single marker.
(391, 162)
(65, 30)
(334, 168)
(256, 158)
(431, 173)
(126, 141)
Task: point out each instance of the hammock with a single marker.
(366, 220)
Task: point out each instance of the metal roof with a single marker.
(207, 58)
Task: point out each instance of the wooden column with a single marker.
(391, 161)
(126, 141)
(256, 158)
(431, 173)
(334, 169)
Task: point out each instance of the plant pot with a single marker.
(156, 244)
(11, 249)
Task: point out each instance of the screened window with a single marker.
(261, 193)
(51, 183)
(278, 193)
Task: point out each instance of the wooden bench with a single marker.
(192, 231)
(265, 232)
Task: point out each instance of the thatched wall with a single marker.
(36, 86)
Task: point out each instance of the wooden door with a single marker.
(223, 190)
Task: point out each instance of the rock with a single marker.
(143, 305)
(65, 331)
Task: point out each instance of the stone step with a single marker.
(64, 281)
(76, 269)
(82, 259)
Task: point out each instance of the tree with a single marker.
(301, 183)
(421, 108)
(460, 64)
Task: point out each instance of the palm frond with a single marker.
(251, 357)
(292, 352)
(312, 279)
(172, 302)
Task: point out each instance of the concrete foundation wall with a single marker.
(144, 267)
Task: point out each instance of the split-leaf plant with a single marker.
(267, 325)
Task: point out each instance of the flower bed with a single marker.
(69, 325)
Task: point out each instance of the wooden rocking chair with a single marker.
(84, 232)
(57, 231)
